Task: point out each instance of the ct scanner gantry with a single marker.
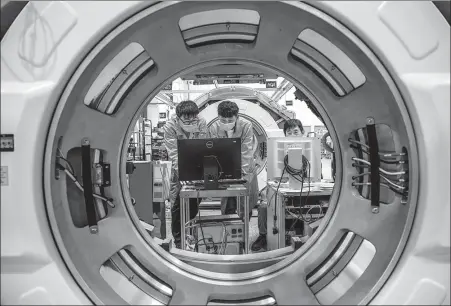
(358, 62)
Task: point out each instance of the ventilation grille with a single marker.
(117, 78)
(329, 62)
(219, 26)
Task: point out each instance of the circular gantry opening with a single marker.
(269, 120)
(97, 198)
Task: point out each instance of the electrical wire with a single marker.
(393, 184)
(308, 193)
(387, 180)
(384, 177)
(359, 143)
(71, 173)
(380, 169)
(61, 155)
(401, 190)
(394, 161)
(380, 153)
(79, 186)
(295, 173)
(277, 191)
(219, 164)
(300, 198)
(384, 185)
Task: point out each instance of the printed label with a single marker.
(4, 175)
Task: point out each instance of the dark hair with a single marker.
(227, 109)
(188, 108)
(291, 124)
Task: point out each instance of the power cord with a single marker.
(219, 164)
(275, 230)
(71, 174)
(295, 173)
(300, 197)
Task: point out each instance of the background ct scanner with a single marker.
(387, 65)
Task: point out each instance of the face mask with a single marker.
(226, 126)
(190, 128)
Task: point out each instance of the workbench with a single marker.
(192, 192)
(279, 200)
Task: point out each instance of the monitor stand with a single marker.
(211, 173)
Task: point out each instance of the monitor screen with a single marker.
(278, 148)
(191, 153)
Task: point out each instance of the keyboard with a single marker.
(232, 181)
(221, 182)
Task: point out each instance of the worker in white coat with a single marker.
(292, 127)
(230, 125)
(186, 124)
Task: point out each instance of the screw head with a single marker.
(94, 230)
(370, 120)
(85, 141)
(375, 210)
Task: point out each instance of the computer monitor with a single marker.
(209, 160)
(278, 149)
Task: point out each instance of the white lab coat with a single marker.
(244, 130)
(173, 132)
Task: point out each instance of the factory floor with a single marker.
(253, 225)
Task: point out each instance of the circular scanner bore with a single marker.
(121, 253)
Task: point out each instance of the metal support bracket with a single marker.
(87, 186)
(102, 174)
(375, 164)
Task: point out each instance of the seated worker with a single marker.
(230, 125)
(292, 127)
(186, 124)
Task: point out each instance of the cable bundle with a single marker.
(396, 184)
(71, 174)
(299, 175)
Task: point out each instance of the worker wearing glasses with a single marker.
(293, 128)
(231, 125)
(186, 124)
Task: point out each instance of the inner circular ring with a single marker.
(284, 260)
